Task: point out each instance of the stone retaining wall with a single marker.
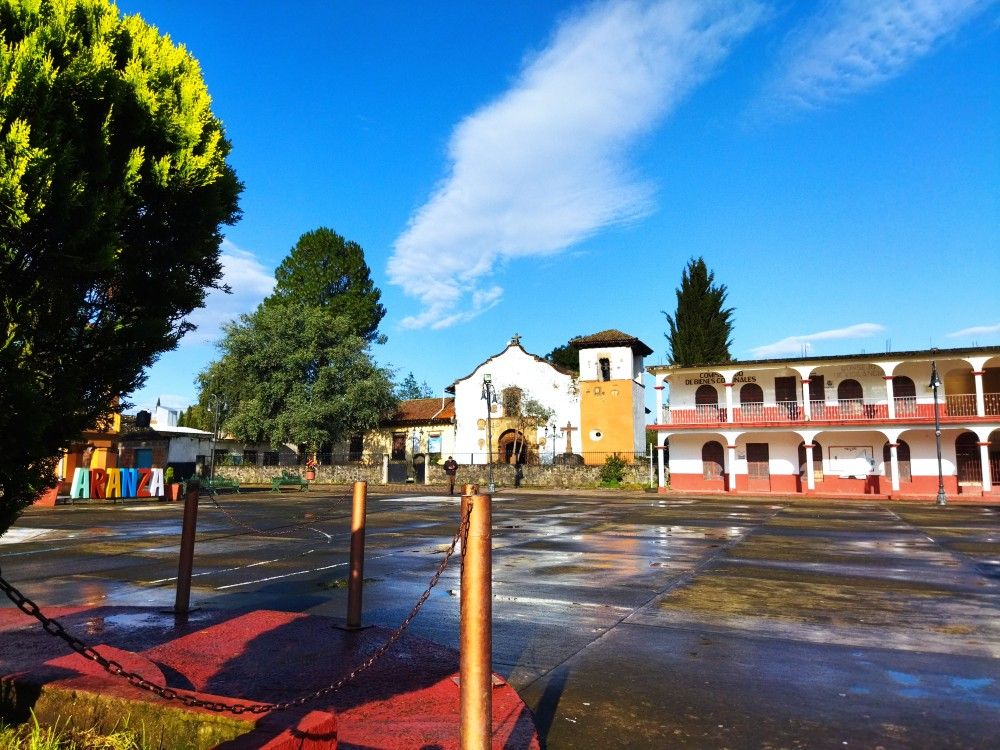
(503, 475)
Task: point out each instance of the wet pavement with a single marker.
(637, 621)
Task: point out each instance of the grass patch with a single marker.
(33, 736)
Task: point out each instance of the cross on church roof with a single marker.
(516, 339)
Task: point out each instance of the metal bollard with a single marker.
(476, 627)
(185, 562)
(355, 583)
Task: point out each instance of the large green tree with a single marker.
(325, 270)
(701, 326)
(292, 373)
(113, 189)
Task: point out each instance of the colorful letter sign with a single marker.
(114, 483)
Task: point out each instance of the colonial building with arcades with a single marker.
(859, 424)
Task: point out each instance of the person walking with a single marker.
(451, 469)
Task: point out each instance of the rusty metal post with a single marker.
(185, 562)
(476, 627)
(355, 583)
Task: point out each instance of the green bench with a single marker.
(288, 479)
(220, 483)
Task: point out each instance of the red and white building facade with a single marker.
(857, 424)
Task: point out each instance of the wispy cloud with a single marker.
(800, 344)
(851, 46)
(975, 331)
(546, 164)
(249, 280)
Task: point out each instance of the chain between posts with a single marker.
(262, 532)
(55, 628)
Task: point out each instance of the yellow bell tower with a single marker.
(612, 395)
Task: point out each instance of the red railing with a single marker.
(992, 404)
(960, 405)
(845, 410)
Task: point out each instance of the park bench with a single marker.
(220, 483)
(288, 479)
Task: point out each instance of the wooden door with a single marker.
(758, 467)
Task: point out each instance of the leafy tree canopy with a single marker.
(701, 326)
(410, 389)
(113, 189)
(325, 270)
(291, 373)
(199, 416)
(565, 356)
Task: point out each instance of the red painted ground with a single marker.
(407, 700)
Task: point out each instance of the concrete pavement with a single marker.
(635, 620)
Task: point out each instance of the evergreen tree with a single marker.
(325, 270)
(113, 189)
(701, 327)
(410, 389)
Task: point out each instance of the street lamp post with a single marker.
(490, 397)
(935, 384)
(215, 436)
(554, 429)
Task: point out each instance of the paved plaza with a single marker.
(638, 621)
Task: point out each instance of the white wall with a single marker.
(624, 365)
(512, 367)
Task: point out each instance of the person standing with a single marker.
(451, 469)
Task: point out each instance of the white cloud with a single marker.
(798, 344)
(546, 164)
(851, 46)
(249, 280)
(975, 331)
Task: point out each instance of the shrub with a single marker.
(613, 470)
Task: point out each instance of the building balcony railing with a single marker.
(844, 410)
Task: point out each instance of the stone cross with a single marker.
(569, 429)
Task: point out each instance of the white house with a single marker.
(855, 424)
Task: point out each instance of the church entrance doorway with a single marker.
(512, 448)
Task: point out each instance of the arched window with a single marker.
(849, 390)
(850, 396)
(904, 393)
(902, 457)
(706, 400)
(706, 395)
(970, 466)
(605, 367)
(712, 460)
(751, 403)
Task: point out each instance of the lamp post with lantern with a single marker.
(935, 384)
(490, 397)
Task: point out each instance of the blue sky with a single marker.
(549, 168)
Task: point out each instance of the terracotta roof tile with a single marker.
(423, 410)
(611, 337)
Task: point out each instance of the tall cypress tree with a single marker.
(327, 271)
(701, 326)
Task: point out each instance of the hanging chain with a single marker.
(263, 532)
(53, 627)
